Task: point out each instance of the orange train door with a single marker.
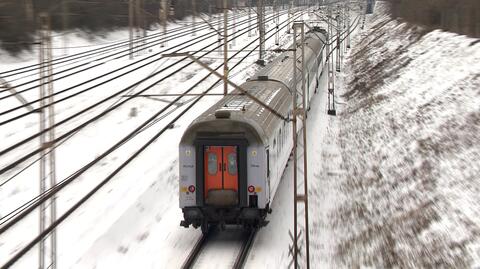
(221, 168)
(213, 168)
(230, 168)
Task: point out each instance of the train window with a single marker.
(232, 163)
(212, 163)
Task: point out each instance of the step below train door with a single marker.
(221, 175)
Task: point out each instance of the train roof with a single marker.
(281, 68)
(238, 109)
(272, 85)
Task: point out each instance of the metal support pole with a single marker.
(234, 41)
(131, 8)
(303, 115)
(225, 47)
(277, 22)
(348, 25)
(42, 246)
(290, 7)
(194, 14)
(220, 37)
(331, 74)
(65, 26)
(299, 112)
(144, 26)
(163, 18)
(46, 80)
(339, 45)
(295, 143)
(137, 23)
(249, 18)
(261, 30)
(52, 164)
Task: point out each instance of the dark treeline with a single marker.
(18, 18)
(460, 16)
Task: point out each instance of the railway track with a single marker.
(214, 248)
(27, 208)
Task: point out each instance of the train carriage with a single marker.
(232, 156)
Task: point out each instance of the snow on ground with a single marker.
(393, 178)
(134, 220)
(409, 135)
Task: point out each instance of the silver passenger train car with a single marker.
(232, 156)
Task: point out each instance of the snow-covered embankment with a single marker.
(410, 133)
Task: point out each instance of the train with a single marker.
(232, 157)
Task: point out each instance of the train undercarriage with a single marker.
(205, 217)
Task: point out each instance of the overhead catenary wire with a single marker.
(217, 68)
(87, 68)
(16, 108)
(84, 82)
(241, 51)
(134, 85)
(37, 150)
(115, 55)
(103, 182)
(251, 52)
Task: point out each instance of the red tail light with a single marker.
(251, 189)
(191, 188)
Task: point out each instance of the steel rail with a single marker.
(36, 151)
(31, 205)
(247, 245)
(57, 222)
(195, 252)
(201, 38)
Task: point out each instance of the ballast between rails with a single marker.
(203, 241)
(85, 198)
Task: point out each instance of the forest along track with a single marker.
(221, 249)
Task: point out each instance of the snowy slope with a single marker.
(394, 177)
(410, 133)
